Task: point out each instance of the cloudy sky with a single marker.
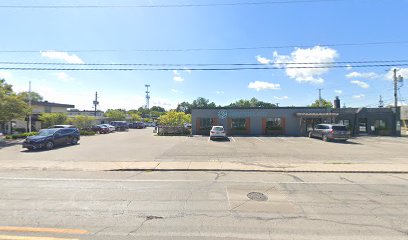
(325, 32)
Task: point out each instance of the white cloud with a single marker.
(281, 98)
(165, 103)
(360, 84)
(348, 67)
(263, 60)
(367, 75)
(400, 71)
(5, 75)
(358, 96)
(258, 85)
(64, 77)
(219, 92)
(177, 77)
(69, 58)
(316, 55)
(338, 91)
(176, 91)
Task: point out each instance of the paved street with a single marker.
(202, 205)
(143, 146)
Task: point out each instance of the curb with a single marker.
(242, 170)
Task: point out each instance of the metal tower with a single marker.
(147, 96)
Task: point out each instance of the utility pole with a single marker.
(320, 97)
(95, 103)
(396, 81)
(381, 102)
(29, 104)
(277, 104)
(147, 96)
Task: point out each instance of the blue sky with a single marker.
(296, 24)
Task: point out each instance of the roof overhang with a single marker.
(317, 114)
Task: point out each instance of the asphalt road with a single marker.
(141, 145)
(202, 205)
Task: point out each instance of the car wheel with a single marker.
(325, 139)
(310, 135)
(74, 141)
(30, 148)
(49, 145)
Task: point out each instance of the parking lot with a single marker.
(142, 145)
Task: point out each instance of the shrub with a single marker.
(21, 135)
(87, 133)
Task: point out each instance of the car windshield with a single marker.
(339, 128)
(47, 132)
(218, 129)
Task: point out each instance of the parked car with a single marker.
(329, 132)
(100, 129)
(187, 125)
(120, 125)
(150, 124)
(62, 126)
(110, 127)
(217, 132)
(51, 137)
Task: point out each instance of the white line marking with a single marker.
(96, 180)
(229, 204)
(259, 139)
(182, 180)
(233, 139)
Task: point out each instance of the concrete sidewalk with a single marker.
(202, 166)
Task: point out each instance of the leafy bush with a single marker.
(21, 135)
(87, 133)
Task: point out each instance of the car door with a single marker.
(316, 131)
(58, 137)
(66, 135)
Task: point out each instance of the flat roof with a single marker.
(207, 108)
(51, 104)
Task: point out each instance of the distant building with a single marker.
(38, 109)
(99, 116)
(404, 120)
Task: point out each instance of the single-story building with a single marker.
(294, 121)
(38, 107)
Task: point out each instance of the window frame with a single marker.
(241, 124)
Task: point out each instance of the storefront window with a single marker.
(380, 124)
(274, 123)
(345, 122)
(205, 124)
(238, 124)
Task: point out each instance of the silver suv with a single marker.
(329, 132)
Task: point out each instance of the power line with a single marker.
(167, 5)
(197, 69)
(203, 64)
(210, 49)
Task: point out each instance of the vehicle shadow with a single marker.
(45, 150)
(221, 139)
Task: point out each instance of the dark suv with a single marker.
(330, 132)
(120, 125)
(49, 138)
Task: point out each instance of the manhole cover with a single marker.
(257, 196)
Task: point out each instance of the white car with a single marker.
(217, 132)
(111, 128)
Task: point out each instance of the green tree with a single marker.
(184, 107)
(253, 102)
(325, 103)
(49, 119)
(157, 109)
(81, 122)
(135, 117)
(35, 97)
(174, 118)
(11, 105)
(203, 103)
(116, 114)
